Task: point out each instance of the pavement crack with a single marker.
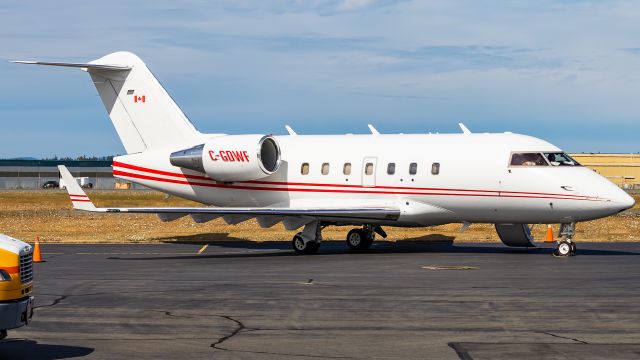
(288, 354)
(55, 302)
(241, 328)
(185, 315)
(562, 337)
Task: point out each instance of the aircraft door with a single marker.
(369, 171)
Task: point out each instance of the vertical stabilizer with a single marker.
(143, 113)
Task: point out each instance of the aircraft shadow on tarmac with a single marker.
(432, 243)
(30, 349)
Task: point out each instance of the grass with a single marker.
(48, 214)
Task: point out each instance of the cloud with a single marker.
(444, 58)
(320, 7)
(239, 66)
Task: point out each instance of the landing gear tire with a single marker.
(357, 239)
(3, 334)
(566, 245)
(564, 249)
(304, 247)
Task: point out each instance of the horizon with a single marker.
(109, 157)
(556, 70)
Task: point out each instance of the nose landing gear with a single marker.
(566, 246)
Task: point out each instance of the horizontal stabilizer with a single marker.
(79, 199)
(76, 65)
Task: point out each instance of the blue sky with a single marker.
(565, 71)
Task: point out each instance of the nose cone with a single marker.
(624, 200)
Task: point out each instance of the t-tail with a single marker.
(143, 113)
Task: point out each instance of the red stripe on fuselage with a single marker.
(282, 183)
(160, 172)
(290, 189)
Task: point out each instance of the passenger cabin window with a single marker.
(413, 168)
(304, 170)
(391, 168)
(368, 169)
(528, 159)
(435, 168)
(346, 169)
(325, 168)
(560, 159)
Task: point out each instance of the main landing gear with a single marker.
(566, 246)
(309, 239)
(361, 239)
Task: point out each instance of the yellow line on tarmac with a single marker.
(202, 249)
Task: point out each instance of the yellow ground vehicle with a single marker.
(16, 284)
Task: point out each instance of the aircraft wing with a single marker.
(293, 217)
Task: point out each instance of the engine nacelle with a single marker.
(518, 235)
(232, 157)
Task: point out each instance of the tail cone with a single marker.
(37, 257)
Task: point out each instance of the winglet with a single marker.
(290, 130)
(79, 199)
(374, 131)
(464, 129)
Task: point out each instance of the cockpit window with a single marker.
(560, 159)
(528, 159)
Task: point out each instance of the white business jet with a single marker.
(313, 181)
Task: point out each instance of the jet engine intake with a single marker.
(232, 157)
(517, 235)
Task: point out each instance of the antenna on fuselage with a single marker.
(464, 129)
(373, 130)
(290, 130)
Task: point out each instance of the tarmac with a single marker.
(405, 300)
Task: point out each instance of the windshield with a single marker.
(542, 159)
(528, 159)
(560, 159)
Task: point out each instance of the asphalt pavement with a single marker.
(405, 300)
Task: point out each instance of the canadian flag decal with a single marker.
(137, 98)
